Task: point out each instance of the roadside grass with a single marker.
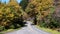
(48, 30)
(9, 30)
(1, 33)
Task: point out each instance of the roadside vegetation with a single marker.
(43, 13)
(48, 30)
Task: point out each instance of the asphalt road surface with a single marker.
(29, 29)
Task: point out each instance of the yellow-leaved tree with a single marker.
(10, 14)
(39, 8)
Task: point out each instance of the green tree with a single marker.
(24, 4)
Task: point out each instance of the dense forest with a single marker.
(44, 13)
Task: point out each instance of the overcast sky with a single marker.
(8, 0)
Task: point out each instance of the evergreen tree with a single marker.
(24, 4)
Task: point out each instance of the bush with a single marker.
(50, 22)
(1, 28)
(12, 27)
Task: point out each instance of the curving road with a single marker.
(30, 29)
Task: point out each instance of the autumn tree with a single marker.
(10, 14)
(40, 8)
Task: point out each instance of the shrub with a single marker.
(1, 28)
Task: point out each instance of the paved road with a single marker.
(30, 29)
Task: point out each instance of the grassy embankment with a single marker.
(49, 30)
